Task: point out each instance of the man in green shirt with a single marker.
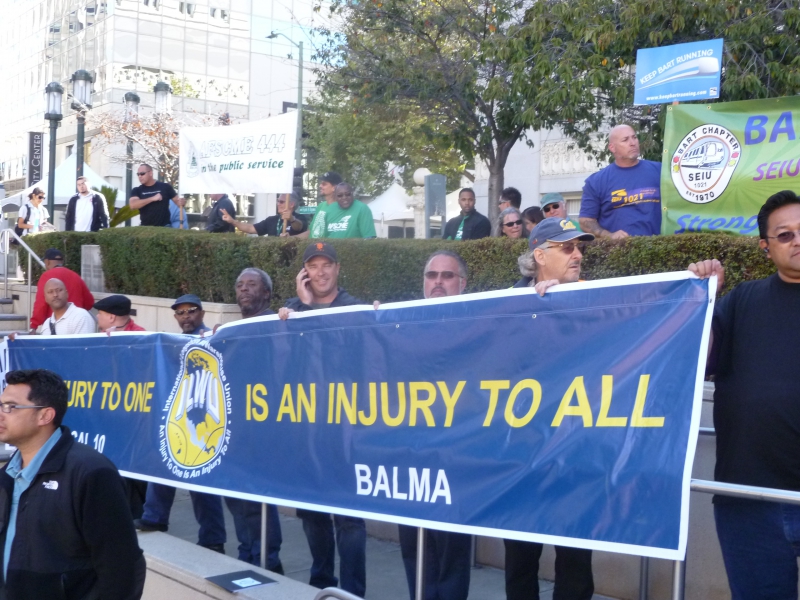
(348, 218)
(327, 191)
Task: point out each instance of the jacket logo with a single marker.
(194, 433)
(50, 485)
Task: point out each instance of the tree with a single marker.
(361, 143)
(434, 57)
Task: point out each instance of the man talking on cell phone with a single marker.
(318, 287)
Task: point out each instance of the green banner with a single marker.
(722, 161)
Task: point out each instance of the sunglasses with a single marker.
(143, 173)
(550, 207)
(784, 237)
(186, 311)
(40, 197)
(512, 223)
(568, 247)
(445, 275)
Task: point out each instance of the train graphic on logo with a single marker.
(704, 162)
(196, 433)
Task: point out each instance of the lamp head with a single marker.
(54, 92)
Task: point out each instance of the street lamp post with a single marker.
(298, 153)
(163, 93)
(131, 114)
(81, 102)
(54, 92)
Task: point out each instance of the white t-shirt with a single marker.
(84, 210)
(74, 320)
(37, 217)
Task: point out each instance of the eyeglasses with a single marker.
(550, 207)
(445, 275)
(7, 407)
(512, 223)
(186, 311)
(784, 237)
(567, 247)
(281, 201)
(40, 196)
(143, 173)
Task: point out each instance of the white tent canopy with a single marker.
(391, 205)
(65, 185)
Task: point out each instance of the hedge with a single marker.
(167, 263)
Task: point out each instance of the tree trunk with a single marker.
(496, 184)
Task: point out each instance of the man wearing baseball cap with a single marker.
(114, 314)
(556, 252)
(327, 190)
(77, 291)
(318, 287)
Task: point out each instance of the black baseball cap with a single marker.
(331, 177)
(320, 249)
(115, 305)
(188, 299)
(53, 254)
(555, 229)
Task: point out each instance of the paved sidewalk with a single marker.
(386, 578)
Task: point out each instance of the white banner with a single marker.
(257, 156)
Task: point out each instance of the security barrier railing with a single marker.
(6, 235)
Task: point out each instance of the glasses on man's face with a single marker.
(186, 311)
(568, 247)
(784, 237)
(549, 208)
(7, 407)
(281, 201)
(142, 173)
(445, 275)
(512, 223)
(40, 196)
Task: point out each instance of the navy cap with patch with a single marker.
(555, 229)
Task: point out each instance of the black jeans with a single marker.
(574, 580)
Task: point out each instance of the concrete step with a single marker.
(12, 317)
(6, 301)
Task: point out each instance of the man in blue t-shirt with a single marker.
(624, 198)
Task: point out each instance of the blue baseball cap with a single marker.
(188, 299)
(555, 229)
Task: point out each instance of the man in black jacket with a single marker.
(66, 529)
(220, 206)
(86, 210)
(470, 224)
(318, 287)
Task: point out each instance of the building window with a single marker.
(187, 8)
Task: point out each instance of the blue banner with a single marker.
(569, 418)
(682, 72)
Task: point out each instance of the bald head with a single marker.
(624, 145)
(55, 295)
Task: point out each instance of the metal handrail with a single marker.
(5, 241)
(336, 593)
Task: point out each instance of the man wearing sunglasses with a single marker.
(447, 554)
(284, 224)
(159, 498)
(554, 205)
(65, 527)
(152, 198)
(757, 409)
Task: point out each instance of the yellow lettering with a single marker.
(401, 405)
(287, 404)
(330, 402)
(414, 388)
(349, 405)
(130, 393)
(494, 386)
(525, 384)
(637, 418)
(304, 402)
(369, 419)
(80, 394)
(115, 389)
(583, 409)
(91, 387)
(106, 385)
(259, 392)
(450, 401)
(603, 420)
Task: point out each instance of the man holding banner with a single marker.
(757, 412)
(624, 198)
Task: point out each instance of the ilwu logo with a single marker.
(704, 163)
(196, 433)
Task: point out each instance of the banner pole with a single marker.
(263, 535)
(678, 580)
(419, 588)
(644, 577)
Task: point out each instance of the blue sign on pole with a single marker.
(681, 72)
(569, 419)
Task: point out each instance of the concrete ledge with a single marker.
(176, 570)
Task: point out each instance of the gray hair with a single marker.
(508, 211)
(462, 265)
(528, 266)
(266, 280)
